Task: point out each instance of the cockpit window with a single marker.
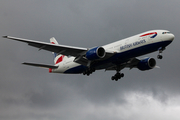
(166, 33)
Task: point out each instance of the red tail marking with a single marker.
(52, 42)
(60, 59)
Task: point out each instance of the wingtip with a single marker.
(24, 63)
(5, 36)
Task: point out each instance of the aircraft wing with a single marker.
(60, 49)
(132, 63)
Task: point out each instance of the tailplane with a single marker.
(57, 59)
(41, 65)
(50, 67)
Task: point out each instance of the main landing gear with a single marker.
(117, 76)
(160, 53)
(89, 71)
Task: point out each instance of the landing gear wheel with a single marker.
(160, 52)
(122, 74)
(159, 56)
(116, 79)
(117, 76)
(112, 78)
(89, 71)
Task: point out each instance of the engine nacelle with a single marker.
(95, 53)
(146, 64)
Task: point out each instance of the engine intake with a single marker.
(146, 64)
(95, 53)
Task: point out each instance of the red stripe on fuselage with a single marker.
(148, 34)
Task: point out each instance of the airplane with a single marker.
(114, 56)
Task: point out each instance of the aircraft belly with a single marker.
(123, 57)
(76, 70)
(117, 59)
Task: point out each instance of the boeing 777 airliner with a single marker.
(114, 56)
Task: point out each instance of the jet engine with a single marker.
(95, 53)
(146, 64)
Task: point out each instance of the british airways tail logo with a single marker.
(152, 35)
(60, 59)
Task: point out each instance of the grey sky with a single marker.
(28, 93)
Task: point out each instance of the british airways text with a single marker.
(132, 44)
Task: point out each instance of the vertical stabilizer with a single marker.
(57, 57)
(53, 41)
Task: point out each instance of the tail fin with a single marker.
(57, 57)
(53, 41)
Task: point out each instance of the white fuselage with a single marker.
(152, 39)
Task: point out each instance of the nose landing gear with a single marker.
(159, 56)
(160, 53)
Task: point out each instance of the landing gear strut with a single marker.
(160, 53)
(117, 76)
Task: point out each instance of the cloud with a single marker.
(140, 106)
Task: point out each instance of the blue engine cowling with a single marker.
(95, 53)
(146, 64)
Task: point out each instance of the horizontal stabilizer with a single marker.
(41, 65)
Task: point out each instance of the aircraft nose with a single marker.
(171, 37)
